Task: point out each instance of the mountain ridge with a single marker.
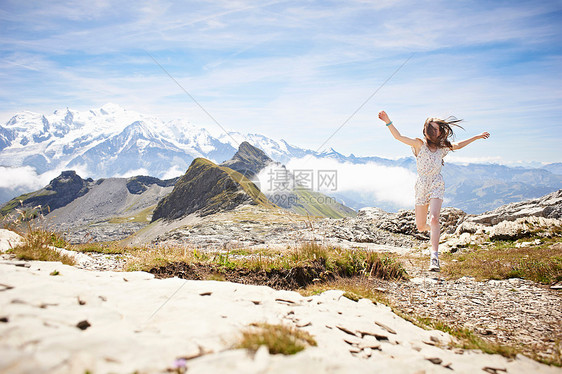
(207, 188)
(113, 142)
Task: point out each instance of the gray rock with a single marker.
(548, 206)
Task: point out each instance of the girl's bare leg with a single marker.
(421, 218)
(434, 211)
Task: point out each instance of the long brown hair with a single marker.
(445, 133)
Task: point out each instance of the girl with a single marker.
(430, 187)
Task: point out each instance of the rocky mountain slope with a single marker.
(250, 161)
(59, 192)
(207, 188)
(110, 209)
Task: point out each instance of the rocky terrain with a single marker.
(511, 312)
(373, 228)
(174, 325)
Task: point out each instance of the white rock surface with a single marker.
(9, 239)
(138, 323)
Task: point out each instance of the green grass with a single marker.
(11, 205)
(503, 260)
(311, 203)
(249, 187)
(38, 245)
(142, 216)
(100, 247)
(279, 339)
(466, 339)
(338, 261)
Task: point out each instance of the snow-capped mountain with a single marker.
(112, 141)
(106, 142)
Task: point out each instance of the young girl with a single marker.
(430, 187)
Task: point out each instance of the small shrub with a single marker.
(309, 251)
(38, 245)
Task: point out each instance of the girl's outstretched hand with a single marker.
(383, 116)
(484, 135)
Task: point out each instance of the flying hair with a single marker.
(443, 140)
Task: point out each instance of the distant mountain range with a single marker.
(111, 141)
(114, 208)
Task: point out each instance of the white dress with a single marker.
(430, 184)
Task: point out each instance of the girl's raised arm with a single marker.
(464, 143)
(416, 143)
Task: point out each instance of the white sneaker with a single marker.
(434, 264)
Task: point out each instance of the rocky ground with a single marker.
(512, 312)
(174, 325)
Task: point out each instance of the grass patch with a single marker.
(99, 247)
(335, 260)
(279, 339)
(541, 264)
(142, 216)
(355, 288)
(38, 242)
(467, 339)
(38, 245)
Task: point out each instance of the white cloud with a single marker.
(22, 177)
(389, 184)
(173, 172)
(26, 178)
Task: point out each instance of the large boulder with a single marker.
(548, 206)
(9, 240)
(525, 227)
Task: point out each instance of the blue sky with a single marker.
(298, 69)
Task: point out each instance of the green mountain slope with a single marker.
(207, 188)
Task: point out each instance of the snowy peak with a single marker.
(111, 109)
(67, 138)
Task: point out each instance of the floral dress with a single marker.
(430, 184)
